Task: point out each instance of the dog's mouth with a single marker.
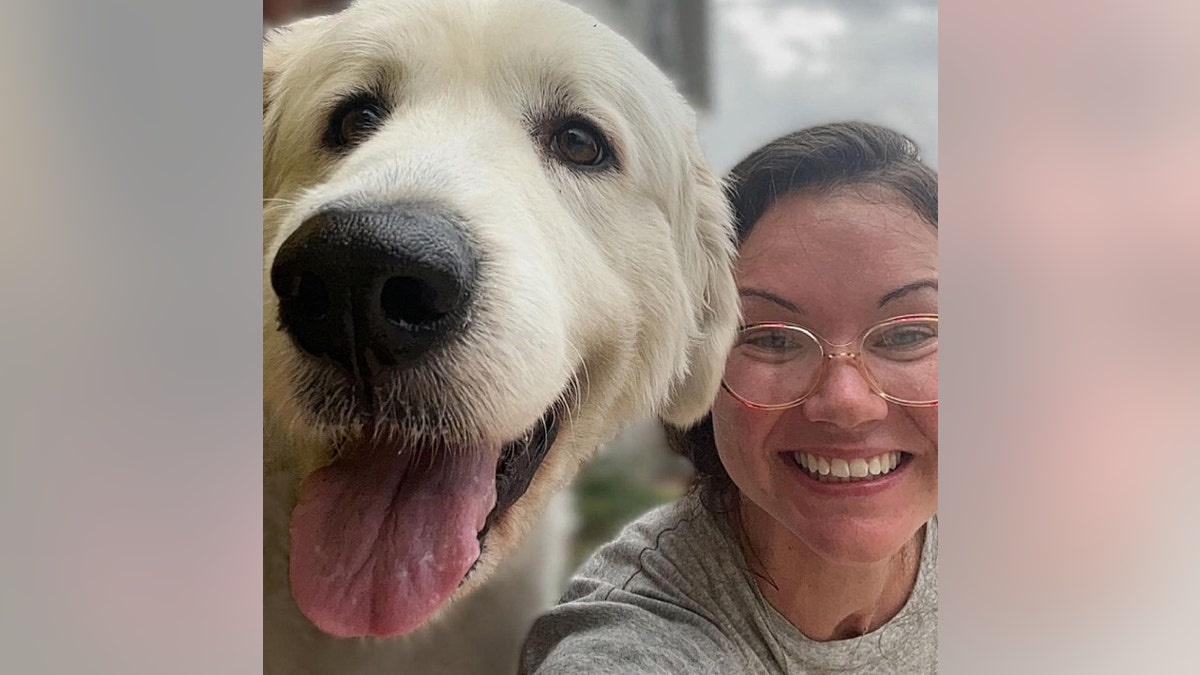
(520, 459)
(383, 536)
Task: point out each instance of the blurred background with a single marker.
(754, 70)
(130, 348)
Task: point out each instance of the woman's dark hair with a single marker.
(820, 159)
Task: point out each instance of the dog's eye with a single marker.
(354, 120)
(580, 144)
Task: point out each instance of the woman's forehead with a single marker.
(837, 246)
(840, 225)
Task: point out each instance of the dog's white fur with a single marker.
(617, 281)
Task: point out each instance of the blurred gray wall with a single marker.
(673, 33)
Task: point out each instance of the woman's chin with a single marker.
(858, 541)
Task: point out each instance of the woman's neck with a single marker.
(823, 599)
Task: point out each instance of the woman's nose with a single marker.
(844, 397)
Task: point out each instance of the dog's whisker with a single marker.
(583, 388)
(280, 201)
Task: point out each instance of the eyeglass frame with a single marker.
(827, 357)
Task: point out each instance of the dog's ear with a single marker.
(274, 54)
(278, 47)
(275, 50)
(714, 299)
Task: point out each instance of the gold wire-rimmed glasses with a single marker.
(780, 365)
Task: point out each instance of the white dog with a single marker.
(490, 241)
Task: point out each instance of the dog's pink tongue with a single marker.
(380, 539)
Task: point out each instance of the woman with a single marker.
(809, 542)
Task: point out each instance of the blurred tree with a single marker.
(629, 476)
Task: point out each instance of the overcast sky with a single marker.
(779, 65)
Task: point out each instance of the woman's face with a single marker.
(836, 264)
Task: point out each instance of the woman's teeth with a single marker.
(833, 470)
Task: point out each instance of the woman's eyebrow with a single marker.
(769, 296)
(906, 289)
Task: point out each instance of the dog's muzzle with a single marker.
(377, 287)
(388, 531)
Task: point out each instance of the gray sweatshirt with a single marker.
(672, 595)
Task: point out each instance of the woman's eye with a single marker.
(778, 342)
(354, 121)
(904, 338)
(773, 342)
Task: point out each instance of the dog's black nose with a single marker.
(378, 287)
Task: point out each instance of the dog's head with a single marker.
(490, 241)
